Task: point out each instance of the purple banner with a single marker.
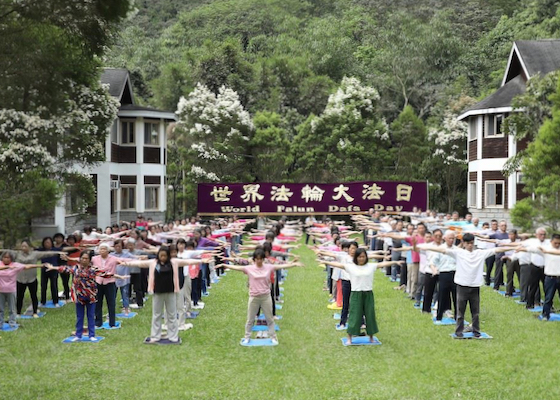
(310, 198)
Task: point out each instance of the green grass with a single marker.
(416, 361)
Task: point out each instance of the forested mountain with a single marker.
(284, 58)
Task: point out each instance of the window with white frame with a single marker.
(473, 125)
(128, 197)
(152, 198)
(494, 194)
(127, 132)
(472, 194)
(494, 124)
(151, 133)
(114, 132)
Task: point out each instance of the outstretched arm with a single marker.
(333, 264)
(286, 266)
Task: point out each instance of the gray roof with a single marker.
(133, 107)
(539, 56)
(501, 97)
(116, 79)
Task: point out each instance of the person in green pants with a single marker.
(362, 302)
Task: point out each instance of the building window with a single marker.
(494, 193)
(127, 132)
(128, 197)
(152, 198)
(114, 194)
(494, 125)
(151, 133)
(472, 194)
(473, 124)
(114, 132)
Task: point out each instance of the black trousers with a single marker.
(430, 282)
(471, 295)
(346, 290)
(499, 274)
(512, 268)
(47, 276)
(21, 294)
(109, 292)
(136, 281)
(489, 266)
(65, 278)
(404, 272)
(535, 278)
(447, 293)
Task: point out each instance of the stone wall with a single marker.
(488, 214)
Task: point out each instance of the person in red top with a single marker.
(84, 291)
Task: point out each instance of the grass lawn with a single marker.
(417, 360)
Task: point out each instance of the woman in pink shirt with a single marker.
(259, 292)
(8, 286)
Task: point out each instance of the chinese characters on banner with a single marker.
(310, 198)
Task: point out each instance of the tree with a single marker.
(54, 115)
(269, 147)
(541, 172)
(409, 145)
(446, 167)
(349, 140)
(213, 134)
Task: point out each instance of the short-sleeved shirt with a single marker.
(361, 276)
(470, 265)
(8, 277)
(259, 279)
(84, 287)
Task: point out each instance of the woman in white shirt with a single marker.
(362, 302)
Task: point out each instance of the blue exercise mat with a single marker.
(515, 294)
(193, 315)
(536, 309)
(444, 321)
(262, 317)
(417, 306)
(338, 327)
(361, 341)
(264, 328)
(214, 281)
(281, 295)
(521, 302)
(205, 294)
(50, 304)
(281, 289)
(336, 316)
(108, 327)
(470, 335)
(83, 339)
(130, 315)
(7, 328)
(27, 316)
(553, 317)
(163, 341)
(278, 306)
(258, 343)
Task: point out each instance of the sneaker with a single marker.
(135, 306)
(340, 327)
(57, 305)
(459, 336)
(35, 315)
(245, 341)
(76, 339)
(276, 317)
(417, 304)
(93, 339)
(274, 341)
(186, 327)
(477, 335)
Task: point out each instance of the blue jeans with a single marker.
(205, 270)
(125, 294)
(551, 285)
(90, 319)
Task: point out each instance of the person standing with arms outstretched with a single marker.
(468, 277)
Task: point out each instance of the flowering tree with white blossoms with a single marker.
(349, 140)
(447, 165)
(211, 139)
(39, 150)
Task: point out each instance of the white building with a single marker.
(491, 194)
(132, 179)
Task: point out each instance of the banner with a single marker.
(310, 198)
